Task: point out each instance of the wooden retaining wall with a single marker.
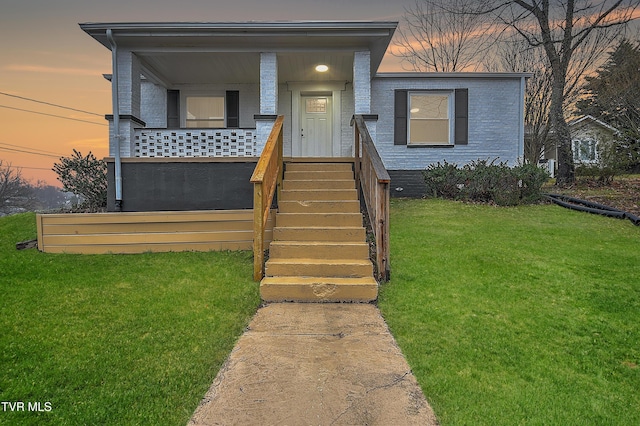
(138, 232)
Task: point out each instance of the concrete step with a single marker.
(319, 184)
(319, 250)
(333, 234)
(306, 267)
(319, 206)
(317, 175)
(318, 289)
(319, 166)
(318, 219)
(319, 194)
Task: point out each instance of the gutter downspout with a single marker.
(523, 94)
(116, 120)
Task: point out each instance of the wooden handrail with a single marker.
(373, 181)
(266, 180)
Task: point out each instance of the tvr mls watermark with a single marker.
(32, 406)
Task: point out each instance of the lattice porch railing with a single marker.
(150, 143)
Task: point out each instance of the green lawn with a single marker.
(527, 315)
(115, 339)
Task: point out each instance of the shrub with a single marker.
(443, 180)
(611, 161)
(85, 177)
(483, 179)
(487, 182)
(531, 178)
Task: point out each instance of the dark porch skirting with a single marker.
(164, 184)
(407, 183)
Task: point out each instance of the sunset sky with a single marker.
(45, 56)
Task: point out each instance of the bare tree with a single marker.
(435, 38)
(15, 192)
(562, 28)
(442, 35)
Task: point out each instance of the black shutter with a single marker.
(462, 117)
(173, 108)
(233, 108)
(400, 118)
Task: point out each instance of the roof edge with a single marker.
(410, 74)
(240, 25)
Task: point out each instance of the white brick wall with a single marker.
(268, 83)
(362, 82)
(346, 130)
(153, 106)
(128, 83)
(494, 121)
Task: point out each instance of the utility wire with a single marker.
(32, 149)
(28, 152)
(50, 104)
(29, 168)
(52, 115)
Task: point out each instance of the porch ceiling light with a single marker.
(322, 68)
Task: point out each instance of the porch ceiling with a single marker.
(202, 68)
(198, 53)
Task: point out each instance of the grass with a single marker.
(115, 339)
(525, 315)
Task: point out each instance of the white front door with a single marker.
(316, 131)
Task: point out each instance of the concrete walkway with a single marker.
(315, 364)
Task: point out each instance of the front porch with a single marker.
(322, 193)
(215, 89)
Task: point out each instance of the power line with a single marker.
(32, 149)
(28, 152)
(11, 166)
(51, 104)
(52, 115)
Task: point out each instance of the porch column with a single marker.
(268, 97)
(362, 89)
(129, 101)
(362, 82)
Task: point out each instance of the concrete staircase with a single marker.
(319, 251)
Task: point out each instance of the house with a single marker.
(194, 104)
(587, 134)
(215, 124)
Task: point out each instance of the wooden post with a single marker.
(258, 232)
(356, 158)
(281, 168)
(267, 180)
(374, 180)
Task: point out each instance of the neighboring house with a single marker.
(194, 104)
(587, 133)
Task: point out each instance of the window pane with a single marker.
(430, 106)
(429, 132)
(429, 118)
(205, 111)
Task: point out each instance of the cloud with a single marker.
(50, 70)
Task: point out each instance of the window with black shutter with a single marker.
(431, 118)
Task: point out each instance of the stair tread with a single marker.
(324, 214)
(328, 227)
(319, 280)
(307, 260)
(322, 243)
(322, 256)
